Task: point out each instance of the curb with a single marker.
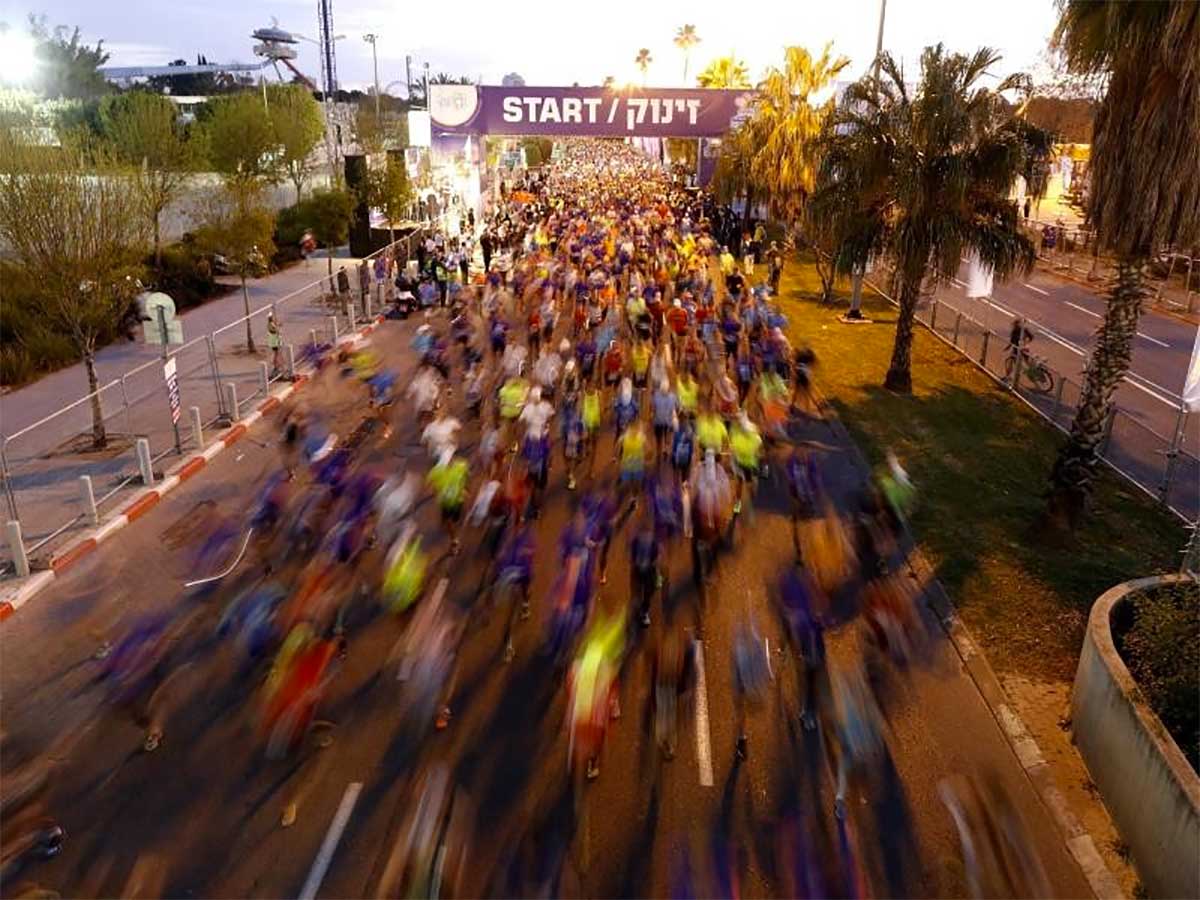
(19, 593)
(1079, 842)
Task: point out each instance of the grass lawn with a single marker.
(981, 460)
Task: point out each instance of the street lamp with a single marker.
(371, 39)
(427, 86)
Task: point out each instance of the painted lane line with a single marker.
(958, 284)
(1154, 340)
(1036, 290)
(703, 737)
(1086, 312)
(325, 855)
(1158, 387)
(994, 305)
(1174, 404)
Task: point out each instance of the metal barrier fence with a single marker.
(55, 480)
(1145, 446)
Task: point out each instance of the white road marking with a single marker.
(1154, 340)
(1149, 387)
(1086, 312)
(325, 855)
(957, 283)
(994, 305)
(703, 737)
(1036, 290)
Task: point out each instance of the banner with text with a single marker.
(589, 112)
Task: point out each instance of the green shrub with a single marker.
(1162, 650)
(290, 225)
(186, 274)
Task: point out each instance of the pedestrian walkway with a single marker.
(47, 425)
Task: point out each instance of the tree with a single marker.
(144, 132)
(237, 226)
(925, 178)
(790, 124)
(447, 78)
(241, 140)
(726, 73)
(67, 67)
(685, 39)
(1145, 191)
(643, 63)
(328, 213)
(389, 192)
(512, 79)
(299, 125)
(609, 82)
(388, 131)
(70, 221)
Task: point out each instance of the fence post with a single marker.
(1018, 364)
(145, 466)
(333, 330)
(1058, 398)
(1173, 454)
(983, 353)
(933, 305)
(216, 373)
(1106, 438)
(9, 495)
(957, 326)
(197, 427)
(231, 401)
(17, 545)
(264, 379)
(367, 308)
(312, 336)
(289, 356)
(350, 320)
(89, 499)
(125, 403)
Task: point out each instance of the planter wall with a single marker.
(1147, 783)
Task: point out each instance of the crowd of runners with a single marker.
(612, 348)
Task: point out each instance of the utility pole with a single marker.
(371, 39)
(408, 75)
(427, 86)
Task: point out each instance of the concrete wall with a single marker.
(186, 214)
(1146, 782)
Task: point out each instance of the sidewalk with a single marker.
(45, 464)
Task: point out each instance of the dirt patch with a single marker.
(1045, 708)
(81, 445)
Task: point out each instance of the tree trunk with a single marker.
(157, 245)
(99, 435)
(1079, 459)
(899, 373)
(329, 259)
(246, 304)
(299, 183)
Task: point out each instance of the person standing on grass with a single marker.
(774, 267)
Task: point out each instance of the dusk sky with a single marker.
(544, 42)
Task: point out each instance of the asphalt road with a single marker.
(201, 816)
(1067, 316)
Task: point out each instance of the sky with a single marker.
(550, 42)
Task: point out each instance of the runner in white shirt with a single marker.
(546, 370)
(423, 391)
(536, 414)
(513, 362)
(441, 434)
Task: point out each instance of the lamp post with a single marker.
(371, 39)
(426, 86)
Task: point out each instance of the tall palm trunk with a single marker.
(899, 373)
(246, 306)
(1078, 460)
(99, 435)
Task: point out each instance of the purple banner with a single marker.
(590, 112)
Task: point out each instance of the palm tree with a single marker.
(609, 82)
(643, 62)
(1145, 192)
(725, 72)
(925, 178)
(685, 39)
(791, 125)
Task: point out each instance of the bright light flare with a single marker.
(18, 60)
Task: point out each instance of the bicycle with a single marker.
(1035, 371)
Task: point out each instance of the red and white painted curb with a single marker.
(16, 595)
